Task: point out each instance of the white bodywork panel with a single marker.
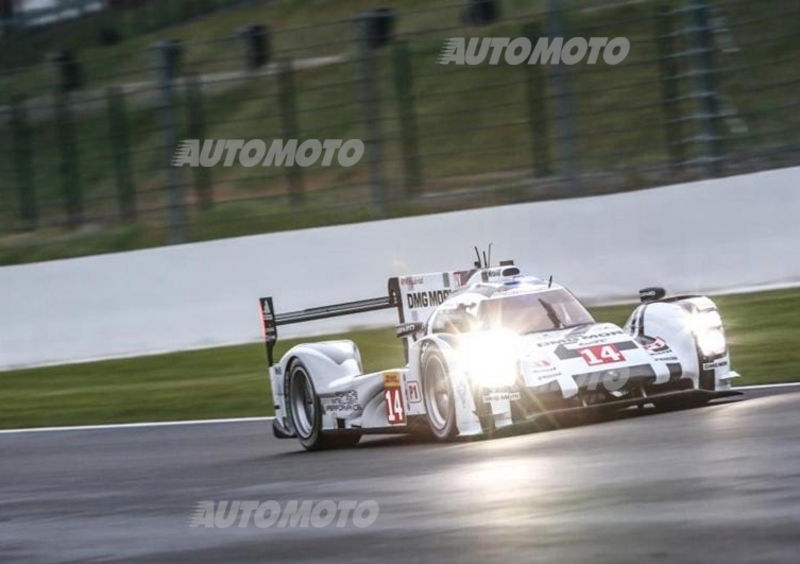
(671, 325)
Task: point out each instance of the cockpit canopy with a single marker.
(522, 313)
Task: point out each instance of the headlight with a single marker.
(707, 329)
(490, 358)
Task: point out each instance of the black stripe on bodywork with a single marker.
(563, 353)
(675, 371)
(635, 320)
(640, 324)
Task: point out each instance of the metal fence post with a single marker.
(165, 55)
(257, 46)
(404, 90)
(668, 66)
(536, 94)
(371, 109)
(69, 167)
(707, 114)
(196, 129)
(120, 149)
(565, 123)
(67, 77)
(287, 104)
(23, 164)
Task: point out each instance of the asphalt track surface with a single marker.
(715, 484)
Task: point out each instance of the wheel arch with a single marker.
(467, 421)
(325, 361)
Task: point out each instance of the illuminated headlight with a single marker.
(707, 328)
(490, 358)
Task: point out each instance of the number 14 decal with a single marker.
(395, 412)
(601, 354)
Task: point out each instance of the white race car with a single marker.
(490, 348)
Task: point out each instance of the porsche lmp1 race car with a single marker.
(490, 348)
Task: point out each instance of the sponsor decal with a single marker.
(406, 329)
(667, 358)
(340, 402)
(535, 370)
(721, 363)
(537, 378)
(391, 379)
(411, 281)
(500, 396)
(430, 298)
(658, 346)
(393, 396)
(582, 338)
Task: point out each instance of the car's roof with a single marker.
(486, 288)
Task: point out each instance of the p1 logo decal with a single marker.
(395, 410)
(412, 390)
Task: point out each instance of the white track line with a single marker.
(765, 386)
(135, 425)
(249, 419)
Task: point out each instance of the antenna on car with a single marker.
(550, 281)
(484, 261)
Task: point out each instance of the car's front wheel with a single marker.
(438, 395)
(305, 412)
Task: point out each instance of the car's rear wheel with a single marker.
(438, 395)
(305, 412)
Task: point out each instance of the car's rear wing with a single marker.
(415, 297)
(270, 321)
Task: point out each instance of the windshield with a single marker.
(528, 313)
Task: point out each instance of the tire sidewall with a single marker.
(312, 441)
(433, 354)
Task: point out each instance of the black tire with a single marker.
(304, 411)
(280, 431)
(440, 408)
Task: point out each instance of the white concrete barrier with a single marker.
(703, 236)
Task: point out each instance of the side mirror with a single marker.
(651, 294)
(408, 329)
